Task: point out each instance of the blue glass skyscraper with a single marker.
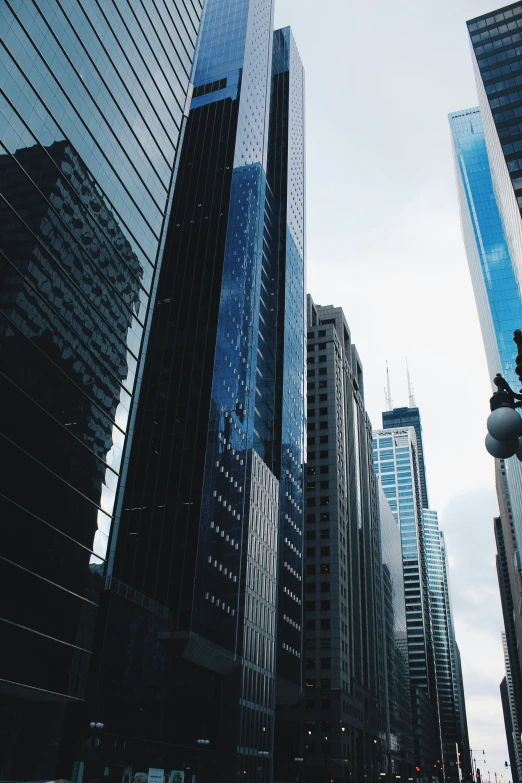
(210, 525)
(92, 100)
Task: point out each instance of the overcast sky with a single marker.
(384, 243)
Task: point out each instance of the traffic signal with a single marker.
(478, 776)
(506, 764)
(417, 769)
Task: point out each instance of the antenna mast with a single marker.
(411, 392)
(387, 391)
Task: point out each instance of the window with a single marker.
(326, 683)
(325, 587)
(325, 625)
(324, 455)
(310, 501)
(322, 384)
(323, 398)
(323, 438)
(310, 470)
(322, 346)
(322, 370)
(324, 516)
(323, 425)
(310, 535)
(310, 606)
(325, 551)
(310, 625)
(324, 468)
(325, 568)
(310, 569)
(322, 333)
(311, 426)
(326, 704)
(325, 501)
(310, 663)
(310, 587)
(311, 455)
(324, 485)
(311, 385)
(326, 663)
(322, 359)
(323, 411)
(325, 606)
(310, 518)
(324, 535)
(311, 441)
(310, 706)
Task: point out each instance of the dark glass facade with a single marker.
(207, 563)
(508, 724)
(91, 112)
(410, 417)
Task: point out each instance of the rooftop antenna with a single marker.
(411, 392)
(387, 392)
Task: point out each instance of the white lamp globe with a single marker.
(501, 449)
(504, 423)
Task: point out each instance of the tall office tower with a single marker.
(399, 726)
(396, 464)
(497, 63)
(342, 713)
(450, 687)
(504, 695)
(205, 608)
(495, 283)
(92, 101)
(512, 708)
(410, 417)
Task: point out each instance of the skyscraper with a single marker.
(508, 724)
(450, 688)
(342, 716)
(497, 63)
(517, 744)
(396, 465)
(410, 417)
(205, 606)
(399, 726)
(494, 276)
(92, 110)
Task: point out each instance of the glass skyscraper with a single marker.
(205, 573)
(91, 114)
(410, 417)
(399, 727)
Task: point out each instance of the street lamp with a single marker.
(504, 424)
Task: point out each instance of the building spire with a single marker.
(411, 391)
(387, 391)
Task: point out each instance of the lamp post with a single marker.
(504, 423)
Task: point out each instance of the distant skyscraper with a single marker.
(410, 417)
(450, 691)
(342, 714)
(92, 112)
(209, 544)
(399, 726)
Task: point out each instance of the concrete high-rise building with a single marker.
(508, 724)
(517, 744)
(203, 620)
(342, 716)
(399, 726)
(92, 113)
